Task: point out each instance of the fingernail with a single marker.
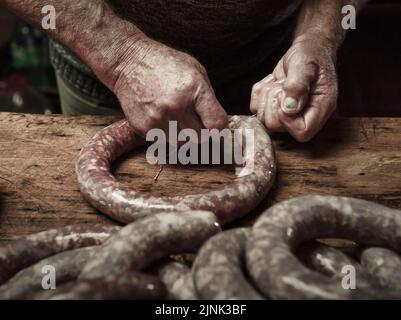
(290, 105)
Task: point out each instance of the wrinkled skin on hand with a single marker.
(301, 93)
(157, 84)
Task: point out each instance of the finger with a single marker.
(304, 126)
(263, 102)
(279, 72)
(258, 91)
(275, 115)
(164, 124)
(152, 118)
(272, 120)
(269, 79)
(315, 118)
(190, 120)
(255, 97)
(294, 125)
(300, 76)
(209, 110)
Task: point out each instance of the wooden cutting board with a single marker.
(357, 157)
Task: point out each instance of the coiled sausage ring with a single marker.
(125, 204)
(278, 273)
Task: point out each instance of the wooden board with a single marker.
(357, 157)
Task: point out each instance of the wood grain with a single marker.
(356, 157)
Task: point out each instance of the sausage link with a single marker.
(147, 240)
(125, 286)
(67, 265)
(384, 265)
(335, 264)
(326, 260)
(125, 204)
(279, 274)
(217, 270)
(177, 278)
(26, 251)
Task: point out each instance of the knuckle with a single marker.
(257, 88)
(202, 69)
(170, 103)
(253, 107)
(218, 122)
(191, 77)
(272, 125)
(295, 87)
(190, 80)
(155, 115)
(303, 136)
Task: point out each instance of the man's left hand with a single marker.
(301, 93)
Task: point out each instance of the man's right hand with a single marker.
(156, 84)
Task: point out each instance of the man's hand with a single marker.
(301, 93)
(153, 82)
(156, 84)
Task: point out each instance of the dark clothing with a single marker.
(228, 37)
(238, 41)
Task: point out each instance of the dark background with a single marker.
(369, 65)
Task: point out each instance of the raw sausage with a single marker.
(327, 260)
(125, 286)
(26, 251)
(125, 204)
(67, 266)
(217, 270)
(384, 265)
(177, 278)
(335, 264)
(139, 244)
(279, 274)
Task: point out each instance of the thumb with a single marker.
(300, 75)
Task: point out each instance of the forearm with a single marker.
(89, 28)
(322, 19)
